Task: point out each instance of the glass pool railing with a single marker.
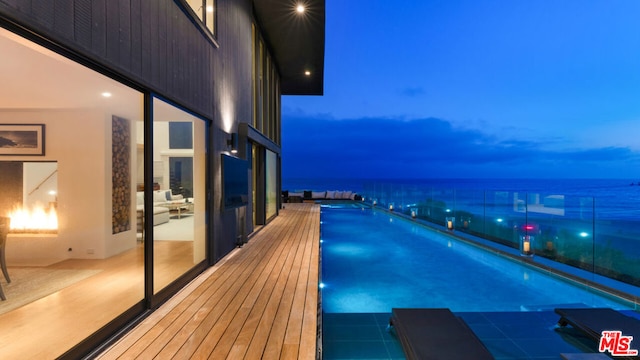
(566, 229)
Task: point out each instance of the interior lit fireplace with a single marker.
(30, 200)
(36, 219)
(30, 196)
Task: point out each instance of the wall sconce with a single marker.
(232, 143)
(450, 222)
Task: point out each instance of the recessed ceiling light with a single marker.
(307, 72)
(106, 94)
(209, 9)
(300, 8)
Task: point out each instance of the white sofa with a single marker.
(160, 197)
(289, 196)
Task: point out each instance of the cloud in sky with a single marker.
(319, 146)
(412, 91)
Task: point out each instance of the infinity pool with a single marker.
(373, 261)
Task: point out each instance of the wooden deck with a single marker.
(261, 301)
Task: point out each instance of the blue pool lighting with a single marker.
(400, 263)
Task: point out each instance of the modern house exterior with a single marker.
(139, 144)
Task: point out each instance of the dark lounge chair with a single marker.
(433, 334)
(593, 321)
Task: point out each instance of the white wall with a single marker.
(80, 142)
(39, 179)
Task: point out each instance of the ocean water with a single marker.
(615, 199)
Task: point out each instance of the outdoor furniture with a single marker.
(436, 334)
(593, 321)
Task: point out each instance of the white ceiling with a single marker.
(33, 77)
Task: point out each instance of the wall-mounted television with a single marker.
(235, 182)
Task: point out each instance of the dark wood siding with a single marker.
(151, 42)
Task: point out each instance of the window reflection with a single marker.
(206, 12)
(178, 194)
(271, 183)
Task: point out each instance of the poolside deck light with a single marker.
(413, 213)
(450, 222)
(391, 207)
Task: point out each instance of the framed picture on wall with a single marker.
(22, 139)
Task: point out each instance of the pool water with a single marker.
(373, 261)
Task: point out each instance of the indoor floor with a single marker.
(49, 326)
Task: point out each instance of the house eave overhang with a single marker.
(296, 41)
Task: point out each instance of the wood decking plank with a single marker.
(265, 326)
(250, 325)
(294, 326)
(173, 324)
(309, 336)
(281, 320)
(197, 330)
(171, 321)
(261, 302)
(226, 331)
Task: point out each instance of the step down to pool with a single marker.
(436, 334)
(584, 356)
(552, 307)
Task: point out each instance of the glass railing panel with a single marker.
(564, 225)
(469, 211)
(385, 199)
(558, 227)
(412, 195)
(569, 229)
(438, 206)
(616, 250)
(505, 212)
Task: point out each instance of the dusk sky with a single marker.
(466, 89)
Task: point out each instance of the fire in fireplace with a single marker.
(33, 220)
